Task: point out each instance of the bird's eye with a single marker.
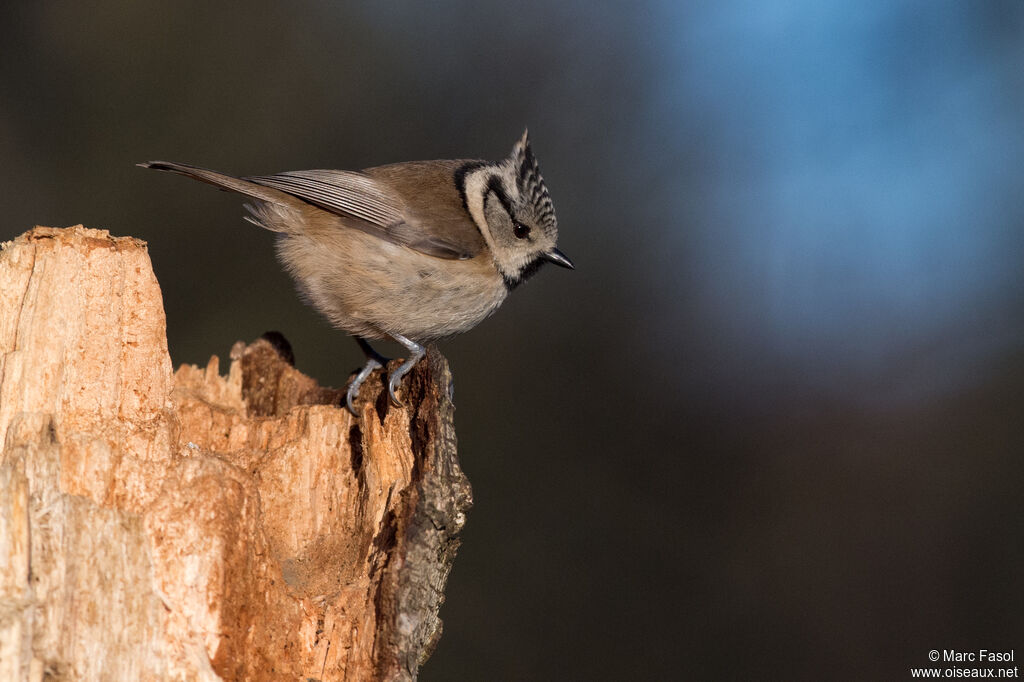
(519, 230)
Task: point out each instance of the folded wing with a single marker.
(371, 206)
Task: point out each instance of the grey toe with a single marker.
(353, 388)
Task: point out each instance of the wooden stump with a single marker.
(191, 526)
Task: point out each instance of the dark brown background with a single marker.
(771, 426)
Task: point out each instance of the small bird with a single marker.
(414, 251)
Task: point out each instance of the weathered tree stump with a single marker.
(190, 526)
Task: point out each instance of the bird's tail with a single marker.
(223, 181)
(267, 197)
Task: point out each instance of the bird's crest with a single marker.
(532, 187)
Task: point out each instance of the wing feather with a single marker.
(342, 192)
(368, 205)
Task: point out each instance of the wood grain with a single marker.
(194, 526)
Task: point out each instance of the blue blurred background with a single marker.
(771, 426)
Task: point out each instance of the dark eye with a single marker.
(519, 230)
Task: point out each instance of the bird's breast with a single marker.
(368, 286)
(445, 297)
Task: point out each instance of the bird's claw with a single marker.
(393, 382)
(375, 360)
(372, 363)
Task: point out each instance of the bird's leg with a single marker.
(416, 351)
(373, 361)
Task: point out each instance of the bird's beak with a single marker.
(558, 258)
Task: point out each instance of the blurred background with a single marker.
(772, 425)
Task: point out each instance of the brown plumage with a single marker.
(413, 251)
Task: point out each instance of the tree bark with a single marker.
(190, 526)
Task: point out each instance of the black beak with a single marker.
(558, 258)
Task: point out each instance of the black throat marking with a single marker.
(527, 271)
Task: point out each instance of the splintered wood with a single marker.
(159, 525)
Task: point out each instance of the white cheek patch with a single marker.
(509, 259)
(476, 189)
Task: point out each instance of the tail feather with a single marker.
(223, 181)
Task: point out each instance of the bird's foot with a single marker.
(416, 352)
(372, 363)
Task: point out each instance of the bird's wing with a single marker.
(372, 206)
